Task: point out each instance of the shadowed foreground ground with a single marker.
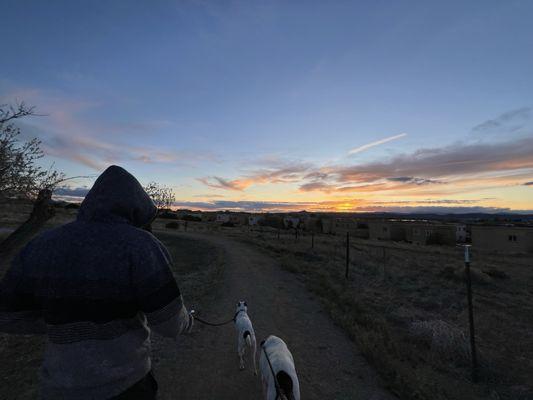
(205, 365)
(214, 273)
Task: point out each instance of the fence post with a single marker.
(347, 254)
(471, 314)
(384, 261)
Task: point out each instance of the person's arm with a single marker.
(20, 312)
(158, 295)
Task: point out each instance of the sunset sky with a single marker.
(284, 105)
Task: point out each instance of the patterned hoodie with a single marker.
(95, 287)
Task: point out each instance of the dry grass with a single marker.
(445, 340)
(405, 306)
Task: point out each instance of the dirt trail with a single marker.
(205, 365)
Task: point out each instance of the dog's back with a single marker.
(245, 334)
(243, 323)
(283, 365)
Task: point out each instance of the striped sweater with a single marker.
(96, 288)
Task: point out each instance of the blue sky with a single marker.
(263, 101)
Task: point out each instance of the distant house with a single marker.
(312, 224)
(291, 222)
(209, 216)
(234, 218)
(327, 225)
(430, 233)
(238, 218)
(461, 233)
(504, 239)
(253, 220)
(386, 230)
(222, 218)
(356, 228)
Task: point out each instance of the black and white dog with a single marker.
(245, 334)
(279, 366)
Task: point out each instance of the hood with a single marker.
(117, 197)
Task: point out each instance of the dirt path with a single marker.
(205, 366)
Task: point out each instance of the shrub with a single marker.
(172, 225)
(167, 215)
(272, 222)
(193, 218)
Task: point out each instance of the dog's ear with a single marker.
(245, 304)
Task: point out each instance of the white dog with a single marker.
(245, 334)
(282, 365)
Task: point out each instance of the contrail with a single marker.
(376, 143)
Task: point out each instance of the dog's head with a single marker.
(242, 306)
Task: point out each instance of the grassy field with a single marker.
(406, 308)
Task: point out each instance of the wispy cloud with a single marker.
(217, 182)
(284, 172)
(412, 179)
(376, 143)
(446, 206)
(208, 196)
(67, 131)
(97, 153)
(457, 168)
(247, 206)
(454, 160)
(510, 122)
(71, 191)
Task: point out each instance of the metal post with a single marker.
(347, 253)
(471, 314)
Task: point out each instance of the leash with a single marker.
(214, 323)
(276, 383)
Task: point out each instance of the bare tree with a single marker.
(20, 176)
(162, 196)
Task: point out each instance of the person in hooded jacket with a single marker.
(96, 288)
